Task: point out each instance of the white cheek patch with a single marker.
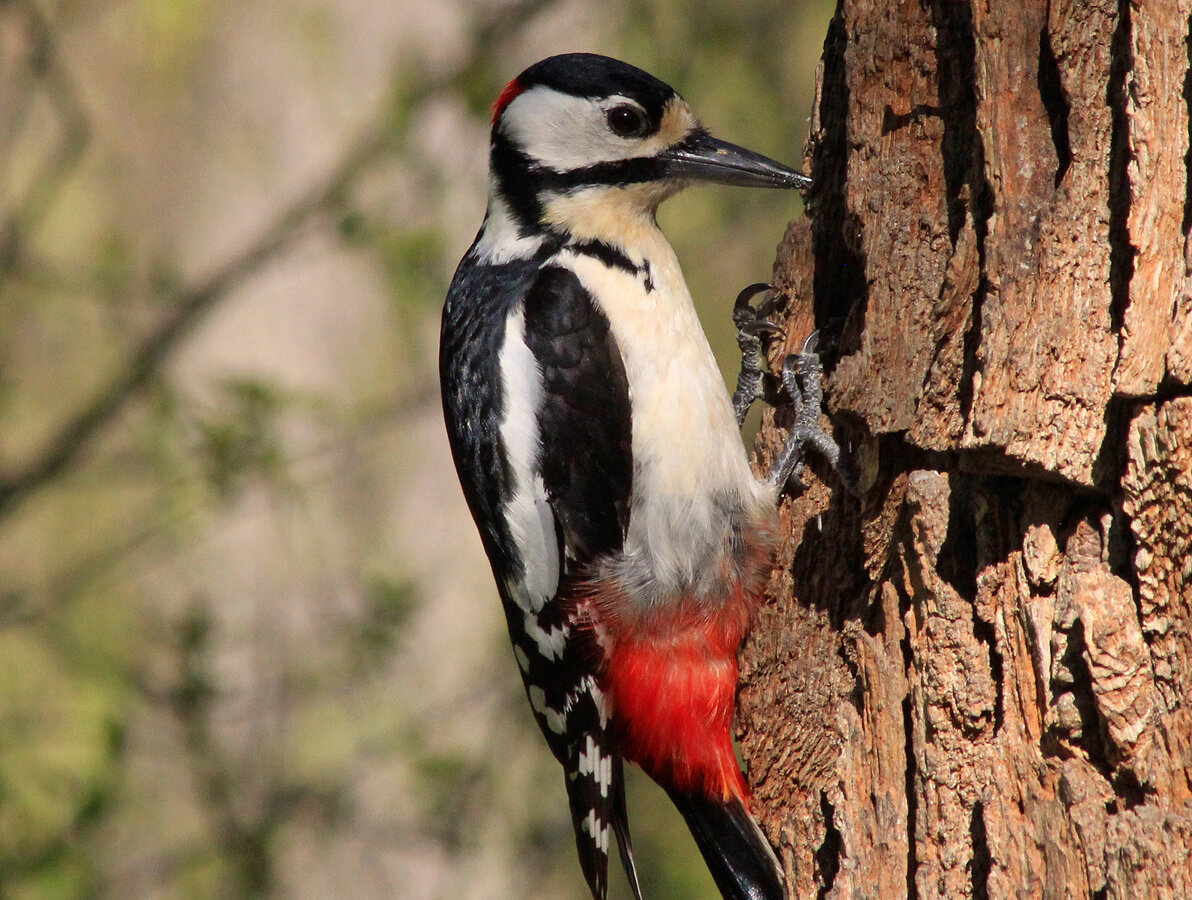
(564, 132)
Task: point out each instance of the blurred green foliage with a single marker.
(238, 439)
(229, 666)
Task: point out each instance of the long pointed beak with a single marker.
(705, 158)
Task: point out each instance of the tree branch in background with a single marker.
(29, 211)
(66, 447)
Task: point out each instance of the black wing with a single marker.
(586, 465)
(526, 351)
(584, 421)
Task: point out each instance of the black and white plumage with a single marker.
(599, 454)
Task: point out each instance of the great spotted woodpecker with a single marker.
(601, 457)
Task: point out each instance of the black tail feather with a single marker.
(621, 827)
(738, 855)
(598, 811)
(589, 816)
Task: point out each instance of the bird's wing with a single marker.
(583, 418)
(583, 476)
(537, 406)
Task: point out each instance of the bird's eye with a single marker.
(628, 121)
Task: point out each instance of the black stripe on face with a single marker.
(615, 173)
(523, 182)
(517, 181)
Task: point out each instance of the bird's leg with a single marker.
(802, 379)
(751, 382)
(802, 376)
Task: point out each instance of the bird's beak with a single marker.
(702, 157)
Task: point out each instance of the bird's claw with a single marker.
(802, 377)
(743, 311)
(752, 326)
(759, 327)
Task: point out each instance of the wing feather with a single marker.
(584, 421)
(586, 468)
(541, 434)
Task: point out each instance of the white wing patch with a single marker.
(531, 522)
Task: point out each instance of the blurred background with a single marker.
(249, 644)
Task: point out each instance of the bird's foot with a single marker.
(751, 325)
(802, 377)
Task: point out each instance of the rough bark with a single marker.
(974, 677)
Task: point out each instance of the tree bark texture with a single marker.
(974, 676)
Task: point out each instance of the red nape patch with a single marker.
(511, 91)
(672, 699)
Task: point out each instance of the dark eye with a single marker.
(628, 121)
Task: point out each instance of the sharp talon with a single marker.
(801, 377)
(750, 292)
(743, 313)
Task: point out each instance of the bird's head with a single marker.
(579, 138)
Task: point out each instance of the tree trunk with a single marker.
(974, 678)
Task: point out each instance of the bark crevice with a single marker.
(827, 857)
(955, 56)
(1087, 737)
(981, 208)
(1121, 251)
(839, 287)
(1051, 91)
(982, 860)
(912, 796)
(1186, 225)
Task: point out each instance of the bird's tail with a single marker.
(596, 792)
(737, 853)
(621, 827)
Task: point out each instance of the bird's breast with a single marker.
(693, 490)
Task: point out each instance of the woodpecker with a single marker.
(601, 458)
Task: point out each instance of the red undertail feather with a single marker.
(672, 688)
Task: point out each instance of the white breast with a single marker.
(689, 461)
